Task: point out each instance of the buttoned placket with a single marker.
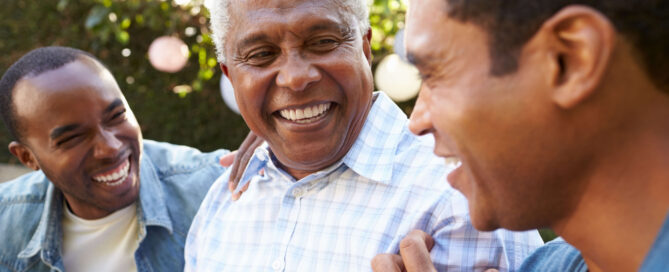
(291, 207)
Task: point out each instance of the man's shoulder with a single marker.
(28, 188)
(556, 255)
(21, 206)
(170, 159)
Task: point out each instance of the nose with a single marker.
(107, 145)
(297, 73)
(420, 122)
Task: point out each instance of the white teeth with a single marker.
(118, 176)
(304, 115)
(454, 161)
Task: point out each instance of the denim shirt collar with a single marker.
(151, 211)
(47, 236)
(384, 119)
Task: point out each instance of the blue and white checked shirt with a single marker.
(339, 218)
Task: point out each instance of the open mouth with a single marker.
(306, 115)
(115, 176)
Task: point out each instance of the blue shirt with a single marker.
(173, 182)
(339, 218)
(555, 256)
(657, 258)
(558, 255)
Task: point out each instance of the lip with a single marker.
(112, 168)
(454, 177)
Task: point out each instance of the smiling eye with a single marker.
(260, 57)
(324, 44)
(119, 115)
(68, 139)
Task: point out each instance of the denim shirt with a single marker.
(173, 181)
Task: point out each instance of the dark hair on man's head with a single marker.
(32, 64)
(511, 23)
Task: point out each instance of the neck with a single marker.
(626, 199)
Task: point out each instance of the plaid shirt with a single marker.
(339, 218)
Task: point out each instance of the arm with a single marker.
(414, 255)
(458, 245)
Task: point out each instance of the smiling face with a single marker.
(302, 78)
(513, 150)
(78, 129)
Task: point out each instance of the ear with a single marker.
(367, 45)
(24, 154)
(225, 70)
(583, 41)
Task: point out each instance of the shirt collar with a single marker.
(372, 154)
(47, 235)
(151, 211)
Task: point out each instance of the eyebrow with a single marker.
(414, 59)
(342, 29)
(57, 132)
(252, 39)
(117, 102)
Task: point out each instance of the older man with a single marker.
(558, 111)
(344, 179)
(103, 199)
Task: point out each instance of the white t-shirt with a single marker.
(105, 244)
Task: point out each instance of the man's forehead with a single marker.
(64, 83)
(79, 72)
(426, 31)
(251, 17)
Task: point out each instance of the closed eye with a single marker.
(323, 44)
(68, 139)
(118, 115)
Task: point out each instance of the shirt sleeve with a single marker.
(459, 246)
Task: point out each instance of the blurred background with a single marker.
(174, 87)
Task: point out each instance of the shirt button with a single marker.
(277, 264)
(298, 192)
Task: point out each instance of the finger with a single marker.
(387, 263)
(232, 179)
(236, 196)
(415, 251)
(227, 159)
(492, 270)
(239, 163)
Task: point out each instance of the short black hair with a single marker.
(511, 23)
(34, 63)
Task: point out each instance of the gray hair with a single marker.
(220, 19)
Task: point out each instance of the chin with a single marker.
(482, 219)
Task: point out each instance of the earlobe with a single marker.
(584, 40)
(25, 155)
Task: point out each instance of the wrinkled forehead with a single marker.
(249, 17)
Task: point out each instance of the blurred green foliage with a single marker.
(106, 28)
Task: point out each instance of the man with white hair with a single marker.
(344, 178)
